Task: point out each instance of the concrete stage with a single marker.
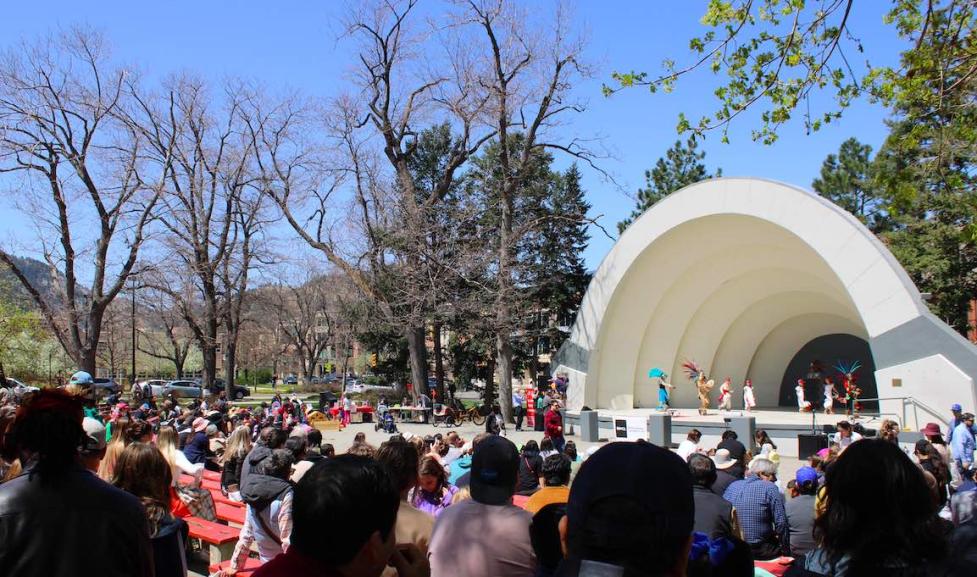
(783, 425)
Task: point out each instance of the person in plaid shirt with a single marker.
(760, 508)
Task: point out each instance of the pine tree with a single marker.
(846, 180)
(681, 166)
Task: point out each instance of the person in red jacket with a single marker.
(553, 425)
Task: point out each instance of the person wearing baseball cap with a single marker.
(957, 411)
(631, 512)
(485, 536)
(93, 446)
(800, 511)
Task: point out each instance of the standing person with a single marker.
(433, 492)
(554, 426)
(143, 472)
(459, 545)
(690, 445)
(749, 399)
(830, 394)
(494, 424)
(518, 407)
(540, 410)
(962, 445)
(931, 462)
(803, 405)
(413, 525)
(878, 518)
(238, 447)
(714, 515)
(97, 528)
(726, 395)
(955, 420)
(800, 511)
(760, 509)
(530, 469)
(268, 521)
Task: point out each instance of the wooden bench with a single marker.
(231, 514)
(250, 566)
(205, 482)
(212, 475)
(221, 498)
(324, 426)
(220, 539)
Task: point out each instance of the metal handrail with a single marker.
(916, 405)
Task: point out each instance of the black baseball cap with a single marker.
(495, 464)
(653, 477)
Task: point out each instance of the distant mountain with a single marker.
(36, 271)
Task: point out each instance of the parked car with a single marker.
(107, 384)
(20, 388)
(291, 380)
(239, 392)
(157, 386)
(184, 389)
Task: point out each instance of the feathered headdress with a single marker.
(692, 369)
(847, 368)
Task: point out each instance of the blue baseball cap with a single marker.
(956, 407)
(806, 475)
(81, 378)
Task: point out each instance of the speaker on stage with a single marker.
(809, 444)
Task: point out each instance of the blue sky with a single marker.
(291, 44)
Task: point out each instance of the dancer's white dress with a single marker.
(801, 403)
(726, 397)
(749, 401)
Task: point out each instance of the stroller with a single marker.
(386, 423)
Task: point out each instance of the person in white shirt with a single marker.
(802, 404)
(846, 436)
(690, 445)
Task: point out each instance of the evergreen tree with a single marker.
(847, 180)
(681, 166)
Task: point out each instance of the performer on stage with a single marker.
(697, 375)
(749, 401)
(852, 391)
(830, 394)
(664, 388)
(802, 404)
(726, 395)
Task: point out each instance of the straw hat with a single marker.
(723, 460)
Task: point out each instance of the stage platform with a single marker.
(783, 425)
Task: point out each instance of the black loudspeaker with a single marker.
(808, 445)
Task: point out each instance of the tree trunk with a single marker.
(503, 367)
(438, 361)
(3, 375)
(230, 362)
(88, 360)
(418, 359)
(208, 363)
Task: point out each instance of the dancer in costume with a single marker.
(664, 388)
(749, 400)
(726, 395)
(830, 394)
(849, 380)
(802, 404)
(697, 375)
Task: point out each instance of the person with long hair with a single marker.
(762, 438)
(433, 492)
(143, 472)
(238, 447)
(186, 499)
(931, 462)
(530, 474)
(879, 517)
(116, 445)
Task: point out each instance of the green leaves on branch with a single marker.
(776, 55)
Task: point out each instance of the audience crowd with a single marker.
(106, 489)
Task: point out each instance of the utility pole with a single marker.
(132, 292)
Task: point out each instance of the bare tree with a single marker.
(306, 317)
(165, 337)
(530, 76)
(208, 210)
(83, 183)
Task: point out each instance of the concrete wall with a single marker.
(738, 274)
